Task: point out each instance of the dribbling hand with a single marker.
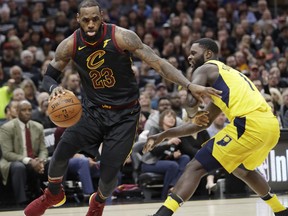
(57, 92)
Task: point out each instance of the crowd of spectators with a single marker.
(252, 37)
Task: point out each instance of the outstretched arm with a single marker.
(128, 40)
(183, 130)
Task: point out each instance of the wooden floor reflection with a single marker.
(252, 206)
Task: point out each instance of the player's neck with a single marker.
(94, 38)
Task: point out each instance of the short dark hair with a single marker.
(209, 44)
(88, 3)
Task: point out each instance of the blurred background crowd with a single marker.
(252, 37)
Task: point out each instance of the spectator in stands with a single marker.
(148, 76)
(36, 63)
(30, 92)
(244, 12)
(231, 61)
(142, 9)
(6, 23)
(49, 28)
(176, 104)
(165, 33)
(3, 76)
(23, 28)
(259, 85)
(153, 120)
(158, 17)
(17, 44)
(39, 114)
(254, 72)
(283, 109)
(276, 99)
(283, 67)
(18, 94)
(6, 95)
(8, 56)
(272, 52)
(23, 158)
(166, 158)
(11, 111)
(261, 60)
(71, 81)
(161, 91)
(29, 70)
(168, 49)
(242, 63)
(16, 74)
(256, 37)
(45, 51)
(145, 103)
(274, 79)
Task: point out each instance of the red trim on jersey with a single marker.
(114, 39)
(98, 41)
(74, 44)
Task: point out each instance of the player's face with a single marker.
(196, 57)
(90, 20)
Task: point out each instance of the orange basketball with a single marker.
(65, 111)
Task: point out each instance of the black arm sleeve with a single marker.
(50, 78)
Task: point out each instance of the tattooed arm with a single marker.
(63, 54)
(128, 40)
(62, 57)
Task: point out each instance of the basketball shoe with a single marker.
(95, 208)
(39, 205)
(282, 213)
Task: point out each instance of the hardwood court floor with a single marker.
(221, 207)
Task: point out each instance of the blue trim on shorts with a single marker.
(205, 157)
(240, 123)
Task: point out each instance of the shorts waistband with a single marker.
(119, 107)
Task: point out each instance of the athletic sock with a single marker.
(171, 204)
(54, 185)
(273, 201)
(99, 197)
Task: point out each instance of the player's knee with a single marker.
(241, 173)
(194, 167)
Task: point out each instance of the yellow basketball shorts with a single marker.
(246, 140)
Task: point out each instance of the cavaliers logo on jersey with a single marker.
(224, 141)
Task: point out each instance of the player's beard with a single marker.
(199, 62)
(94, 38)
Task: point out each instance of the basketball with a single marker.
(65, 111)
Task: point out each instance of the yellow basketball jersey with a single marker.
(239, 95)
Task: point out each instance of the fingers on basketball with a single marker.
(65, 110)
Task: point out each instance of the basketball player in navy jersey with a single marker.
(101, 54)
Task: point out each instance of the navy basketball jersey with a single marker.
(105, 70)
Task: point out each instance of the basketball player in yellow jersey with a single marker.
(241, 146)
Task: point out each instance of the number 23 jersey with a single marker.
(105, 69)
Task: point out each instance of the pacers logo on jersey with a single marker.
(224, 141)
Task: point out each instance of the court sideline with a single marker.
(222, 207)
